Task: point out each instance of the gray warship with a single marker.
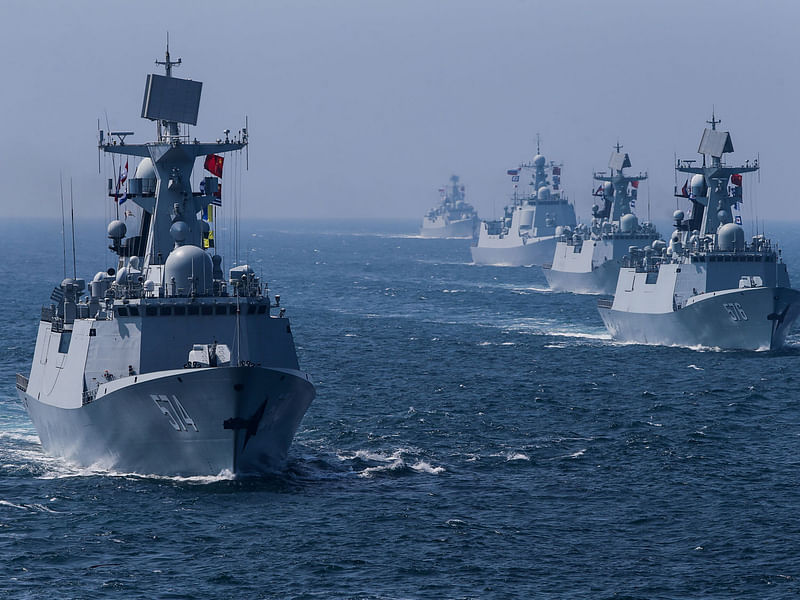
(453, 218)
(587, 259)
(164, 365)
(526, 235)
(709, 287)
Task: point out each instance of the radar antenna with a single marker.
(167, 63)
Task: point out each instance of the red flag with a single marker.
(736, 179)
(213, 164)
(635, 184)
(685, 189)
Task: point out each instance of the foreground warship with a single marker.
(709, 287)
(453, 218)
(526, 235)
(587, 260)
(164, 365)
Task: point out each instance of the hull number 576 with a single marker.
(735, 311)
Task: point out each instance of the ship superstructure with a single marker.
(526, 234)
(710, 287)
(587, 259)
(166, 364)
(454, 217)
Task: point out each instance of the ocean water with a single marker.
(474, 436)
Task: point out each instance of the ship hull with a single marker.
(602, 280)
(453, 229)
(535, 252)
(182, 422)
(743, 319)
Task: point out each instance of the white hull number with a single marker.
(735, 311)
(174, 411)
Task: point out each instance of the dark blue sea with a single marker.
(474, 436)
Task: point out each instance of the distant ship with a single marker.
(453, 218)
(526, 235)
(587, 260)
(710, 287)
(164, 365)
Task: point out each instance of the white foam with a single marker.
(394, 461)
(512, 456)
(523, 291)
(425, 467)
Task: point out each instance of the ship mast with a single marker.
(710, 196)
(173, 205)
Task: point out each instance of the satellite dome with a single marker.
(117, 230)
(730, 237)
(608, 189)
(179, 231)
(543, 193)
(698, 185)
(723, 217)
(145, 170)
(628, 223)
(539, 160)
(678, 215)
(191, 268)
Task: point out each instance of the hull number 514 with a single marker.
(174, 411)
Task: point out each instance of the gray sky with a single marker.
(364, 108)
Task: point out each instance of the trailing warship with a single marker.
(453, 218)
(164, 365)
(709, 287)
(587, 260)
(526, 235)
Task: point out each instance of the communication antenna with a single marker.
(113, 163)
(72, 214)
(167, 63)
(675, 173)
(247, 147)
(714, 121)
(63, 236)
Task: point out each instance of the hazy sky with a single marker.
(364, 108)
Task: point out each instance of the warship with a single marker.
(526, 235)
(163, 365)
(710, 287)
(453, 218)
(587, 259)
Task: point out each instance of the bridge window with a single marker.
(63, 342)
